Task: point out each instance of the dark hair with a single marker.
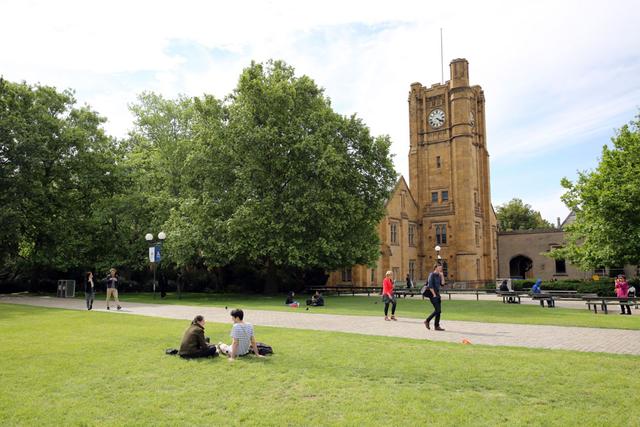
(237, 313)
(199, 318)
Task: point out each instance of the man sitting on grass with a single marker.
(243, 339)
(194, 343)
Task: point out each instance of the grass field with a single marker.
(63, 367)
(477, 311)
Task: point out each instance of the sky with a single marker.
(559, 77)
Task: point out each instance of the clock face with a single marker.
(436, 118)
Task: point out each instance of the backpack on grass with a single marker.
(264, 349)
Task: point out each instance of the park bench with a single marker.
(342, 289)
(605, 302)
(476, 292)
(407, 292)
(514, 295)
(542, 297)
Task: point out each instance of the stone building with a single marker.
(521, 254)
(447, 202)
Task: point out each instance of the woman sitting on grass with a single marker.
(194, 344)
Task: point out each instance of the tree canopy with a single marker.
(280, 180)
(269, 177)
(56, 166)
(516, 215)
(606, 231)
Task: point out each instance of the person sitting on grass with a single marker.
(316, 300)
(243, 338)
(194, 344)
(290, 301)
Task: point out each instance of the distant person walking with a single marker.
(89, 289)
(409, 282)
(435, 280)
(112, 287)
(388, 296)
(622, 292)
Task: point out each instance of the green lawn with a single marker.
(62, 367)
(477, 311)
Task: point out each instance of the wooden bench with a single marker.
(407, 292)
(476, 292)
(513, 295)
(542, 297)
(341, 289)
(604, 302)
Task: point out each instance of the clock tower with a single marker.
(449, 178)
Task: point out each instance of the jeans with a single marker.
(388, 301)
(436, 301)
(88, 296)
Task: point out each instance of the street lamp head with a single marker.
(162, 235)
(437, 248)
(148, 237)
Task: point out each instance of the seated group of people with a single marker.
(316, 300)
(195, 345)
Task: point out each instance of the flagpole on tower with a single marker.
(441, 60)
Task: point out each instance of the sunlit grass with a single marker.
(62, 367)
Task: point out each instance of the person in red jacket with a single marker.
(622, 292)
(388, 296)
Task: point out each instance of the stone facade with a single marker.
(521, 254)
(448, 200)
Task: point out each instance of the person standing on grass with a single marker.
(89, 289)
(435, 280)
(112, 287)
(194, 344)
(388, 297)
(242, 336)
(622, 292)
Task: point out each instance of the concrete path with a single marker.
(499, 334)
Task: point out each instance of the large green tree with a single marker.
(516, 215)
(283, 180)
(56, 165)
(606, 202)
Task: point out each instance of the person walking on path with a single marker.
(112, 288)
(622, 292)
(409, 282)
(388, 297)
(89, 289)
(435, 280)
(194, 344)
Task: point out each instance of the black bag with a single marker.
(264, 349)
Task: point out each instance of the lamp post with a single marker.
(155, 254)
(438, 257)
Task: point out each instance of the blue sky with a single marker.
(558, 77)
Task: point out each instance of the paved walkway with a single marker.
(499, 334)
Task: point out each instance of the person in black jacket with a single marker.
(193, 343)
(89, 289)
(435, 280)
